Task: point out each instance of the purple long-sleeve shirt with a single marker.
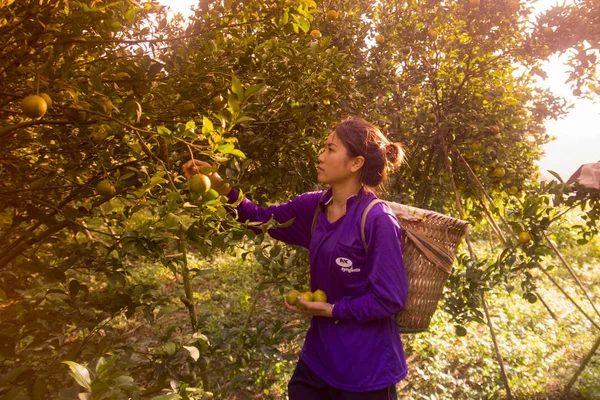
(359, 349)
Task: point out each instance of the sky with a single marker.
(577, 134)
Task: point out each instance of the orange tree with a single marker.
(90, 185)
(573, 29)
(93, 189)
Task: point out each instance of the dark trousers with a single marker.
(306, 385)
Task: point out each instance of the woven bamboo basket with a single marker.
(429, 244)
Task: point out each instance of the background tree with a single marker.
(573, 29)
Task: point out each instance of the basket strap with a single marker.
(437, 254)
(363, 221)
(314, 221)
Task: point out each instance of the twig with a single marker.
(583, 365)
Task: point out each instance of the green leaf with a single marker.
(2, 295)
(190, 126)
(80, 374)
(241, 197)
(167, 397)
(163, 131)
(286, 224)
(74, 287)
(226, 148)
(6, 3)
(556, 175)
(130, 15)
(207, 125)
(303, 24)
(229, 148)
(243, 118)
(237, 88)
(194, 352)
(40, 387)
(168, 309)
(233, 103)
(170, 348)
(255, 89)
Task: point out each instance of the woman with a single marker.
(352, 348)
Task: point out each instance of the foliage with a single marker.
(574, 29)
(96, 214)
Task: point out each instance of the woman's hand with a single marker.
(192, 167)
(312, 308)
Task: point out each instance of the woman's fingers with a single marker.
(191, 167)
(296, 310)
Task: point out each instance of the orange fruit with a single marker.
(433, 35)
(47, 99)
(315, 33)
(105, 188)
(292, 297)
(499, 172)
(199, 183)
(34, 106)
(332, 14)
(380, 39)
(476, 146)
(320, 296)
(524, 237)
(307, 296)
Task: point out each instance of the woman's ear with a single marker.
(357, 163)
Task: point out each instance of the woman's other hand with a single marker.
(312, 308)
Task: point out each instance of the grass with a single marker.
(540, 353)
(253, 342)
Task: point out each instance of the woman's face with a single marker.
(334, 165)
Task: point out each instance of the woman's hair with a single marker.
(363, 139)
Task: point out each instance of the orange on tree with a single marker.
(199, 183)
(105, 188)
(433, 34)
(34, 106)
(499, 172)
(47, 98)
(380, 39)
(524, 237)
(414, 91)
(476, 146)
(315, 33)
(332, 14)
(513, 190)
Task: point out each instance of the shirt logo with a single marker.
(346, 265)
(343, 262)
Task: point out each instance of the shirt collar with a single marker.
(328, 198)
